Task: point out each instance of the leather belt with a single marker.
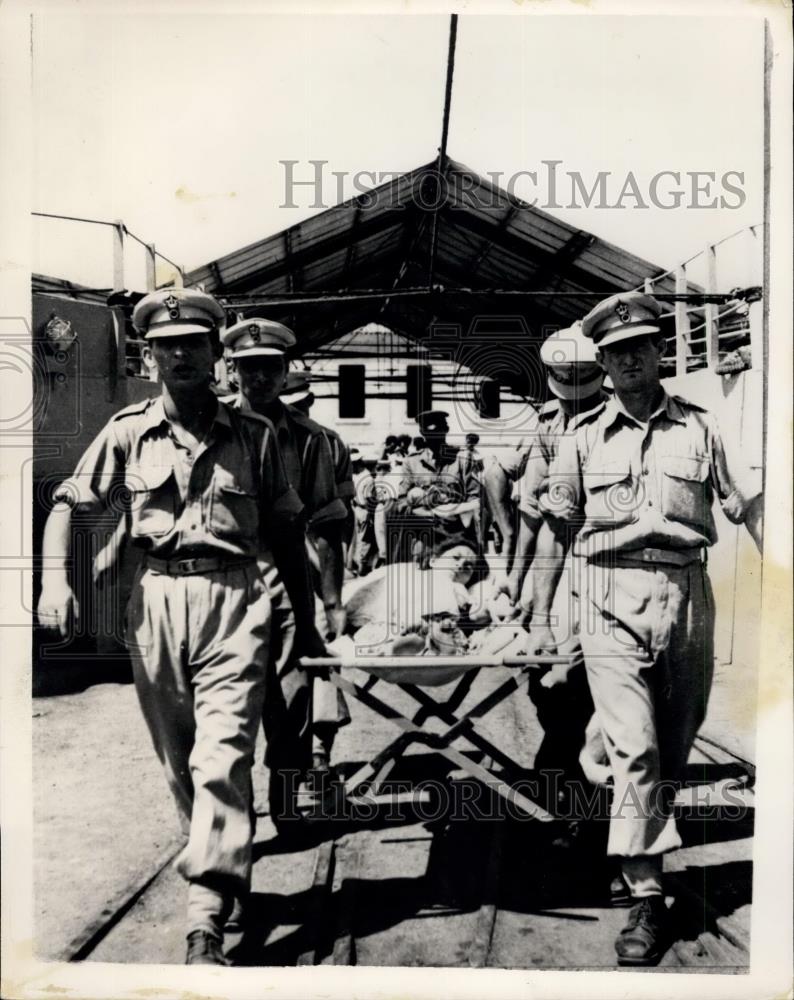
(194, 567)
(635, 557)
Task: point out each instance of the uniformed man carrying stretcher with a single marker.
(205, 495)
(632, 488)
(303, 715)
(561, 696)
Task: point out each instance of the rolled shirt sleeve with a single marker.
(98, 479)
(512, 461)
(280, 502)
(532, 483)
(735, 483)
(562, 495)
(319, 476)
(343, 472)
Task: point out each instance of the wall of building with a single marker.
(75, 391)
(386, 364)
(734, 562)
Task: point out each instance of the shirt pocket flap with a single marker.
(227, 482)
(146, 478)
(693, 469)
(233, 508)
(607, 475)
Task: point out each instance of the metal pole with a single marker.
(681, 323)
(151, 268)
(442, 153)
(423, 662)
(118, 255)
(712, 311)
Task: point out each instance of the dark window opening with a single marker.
(418, 389)
(352, 392)
(488, 399)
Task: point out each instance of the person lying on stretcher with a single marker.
(436, 632)
(405, 610)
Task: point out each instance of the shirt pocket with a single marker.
(610, 496)
(685, 490)
(152, 497)
(233, 508)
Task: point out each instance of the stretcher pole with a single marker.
(377, 768)
(375, 663)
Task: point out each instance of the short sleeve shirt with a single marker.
(363, 486)
(444, 477)
(631, 485)
(514, 460)
(471, 465)
(552, 424)
(309, 462)
(343, 475)
(225, 499)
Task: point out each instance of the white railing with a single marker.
(120, 233)
(703, 336)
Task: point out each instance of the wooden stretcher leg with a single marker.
(413, 733)
(443, 711)
(386, 757)
(431, 707)
(377, 782)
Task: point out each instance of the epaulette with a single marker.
(549, 409)
(233, 403)
(306, 422)
(583, 418)
(253, 415)
(688, 402)
(244, 413)
(134, 408)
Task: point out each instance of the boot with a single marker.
(645, 937)
(204, 948)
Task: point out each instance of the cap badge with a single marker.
(623, 312)
(172, 305)
(253, 330)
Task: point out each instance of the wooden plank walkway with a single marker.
(412, 885)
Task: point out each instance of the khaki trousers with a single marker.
(199, 647)
(571, 734)
(296, 703)
(647, 633)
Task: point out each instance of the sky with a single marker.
(177, 123)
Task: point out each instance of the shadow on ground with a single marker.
(540, 871)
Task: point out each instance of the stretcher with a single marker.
(417, 676)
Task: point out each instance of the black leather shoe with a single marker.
(645, 937)
(204, 948)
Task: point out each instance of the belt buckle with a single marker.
(186, 565)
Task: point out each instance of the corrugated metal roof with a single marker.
(381, 241)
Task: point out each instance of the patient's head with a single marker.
(442, 634)
(457, 556)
